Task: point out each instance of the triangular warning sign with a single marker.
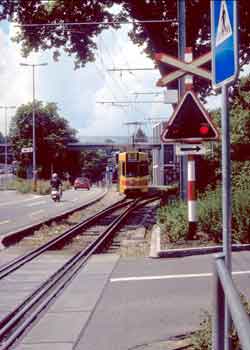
(224, 28)
(190, 122)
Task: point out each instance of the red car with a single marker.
(81, 182)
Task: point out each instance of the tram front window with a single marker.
(132, 170)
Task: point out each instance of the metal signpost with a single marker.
(224, 71)
(190, 123)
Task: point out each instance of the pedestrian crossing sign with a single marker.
(224, 29)
(224, 41)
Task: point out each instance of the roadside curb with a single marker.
(157, 252)
(14, 236)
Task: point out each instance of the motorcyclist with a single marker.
(56, 183)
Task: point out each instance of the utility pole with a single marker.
(33, 119)
(181, 53)
(6, 138)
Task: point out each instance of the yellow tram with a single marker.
(133, 172)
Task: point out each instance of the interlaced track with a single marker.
(22, 316)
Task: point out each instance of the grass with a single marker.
(26, 186)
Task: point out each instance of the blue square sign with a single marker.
(224, 38)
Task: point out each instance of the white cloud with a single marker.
(77, 91)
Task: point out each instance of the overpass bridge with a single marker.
(78, 146)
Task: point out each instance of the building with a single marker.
(165, 162)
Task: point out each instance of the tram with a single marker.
(133, 172)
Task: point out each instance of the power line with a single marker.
(152, 21)
(111, 102)
(128, 69)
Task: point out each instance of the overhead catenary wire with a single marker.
(150, 21)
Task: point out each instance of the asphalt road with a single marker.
(147, 301)
(18, 211)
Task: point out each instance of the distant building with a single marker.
(165, 162)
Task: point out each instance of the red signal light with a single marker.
(204, 129)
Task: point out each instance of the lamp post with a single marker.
(6, 135)
(33, 119)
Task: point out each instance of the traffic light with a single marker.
(204, 129)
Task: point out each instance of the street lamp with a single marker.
(33, 118)
(5, 146)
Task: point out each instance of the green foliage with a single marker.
(202, 338)
(26, 186)
(173, 217)
(174, 220)
(210, 215)
(52, 135)
(2, 138)
(152, 37)
(21, 171)
(94, 165)
(23, 186)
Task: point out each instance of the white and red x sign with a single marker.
(184, 67)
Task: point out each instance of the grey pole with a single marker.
(34, 128)
(5, 147)
(226, 201)
(181, 53)
(219, 310)
(6, 137)
(34, 119)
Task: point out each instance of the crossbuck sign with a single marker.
(183, 67)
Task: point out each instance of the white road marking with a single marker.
(4, 222)
(36, 203)
(37, 212)
(168, 277)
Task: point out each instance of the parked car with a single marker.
(82, 182)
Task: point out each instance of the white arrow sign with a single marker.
(184, 67)
(27, 150)
(184, 149)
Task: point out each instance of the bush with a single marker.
(210, 214)
(202, 338)
(24, 186)
(43, 187)
(174, 220)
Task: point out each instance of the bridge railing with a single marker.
(226, 290)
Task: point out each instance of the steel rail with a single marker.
(56, 282)
(16, 263)
(15, 235)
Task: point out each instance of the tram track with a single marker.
(22, 316)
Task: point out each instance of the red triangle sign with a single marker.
(190, 123)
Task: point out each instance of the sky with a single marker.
(78, 93)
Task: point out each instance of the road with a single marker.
(18, 211)
(147, 301)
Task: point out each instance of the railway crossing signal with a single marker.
(190, 123)
(183, 67)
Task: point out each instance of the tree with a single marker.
(52, 135)
(153, 37)
(2, 138)
(209, 169)
(94, 165)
